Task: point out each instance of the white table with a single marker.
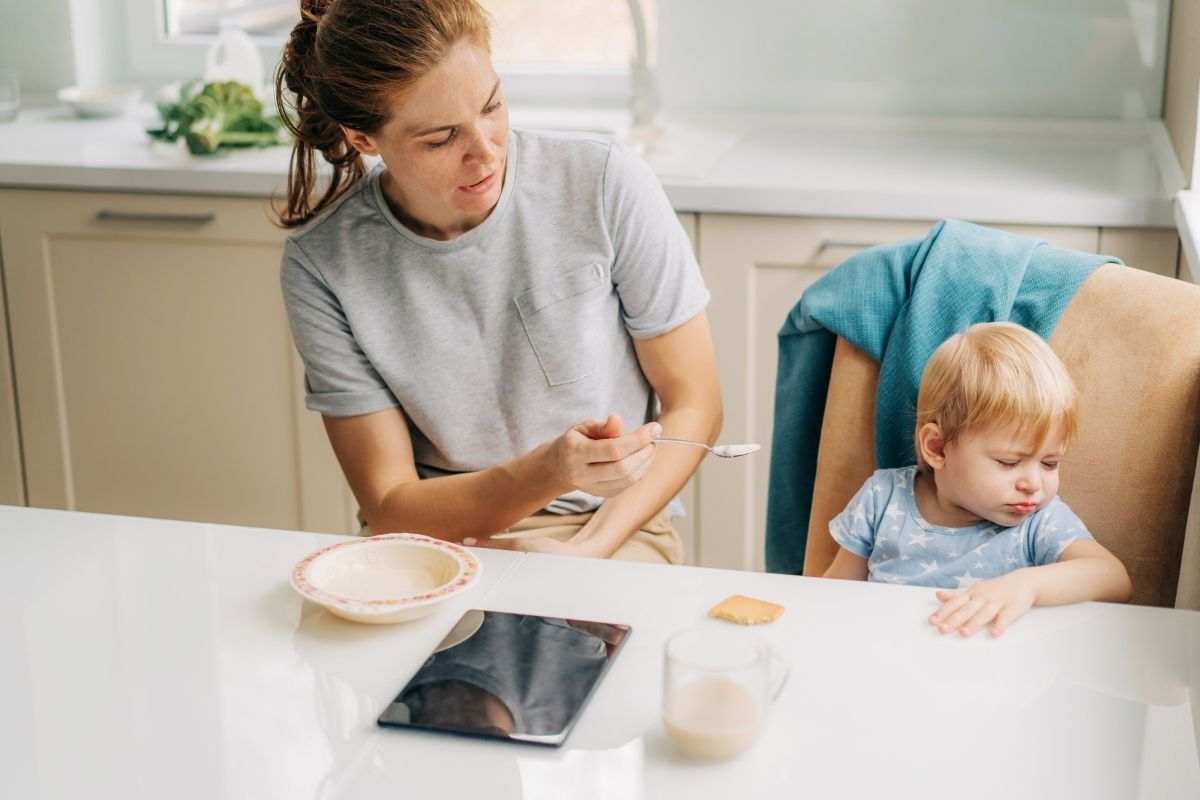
(145, 658)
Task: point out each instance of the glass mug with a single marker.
(717, 687)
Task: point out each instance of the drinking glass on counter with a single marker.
(717, 688)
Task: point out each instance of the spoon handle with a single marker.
(682, 441)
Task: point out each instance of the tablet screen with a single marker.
(510, 676)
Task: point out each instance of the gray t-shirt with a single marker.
(504, 337)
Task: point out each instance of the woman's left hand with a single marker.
(995, 603)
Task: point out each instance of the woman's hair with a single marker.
(996, 374)
(343, 62)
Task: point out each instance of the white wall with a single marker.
(57, 43)
(35, 39)
(1068, 58)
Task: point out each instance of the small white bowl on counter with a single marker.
(100, 101)
(392, 577)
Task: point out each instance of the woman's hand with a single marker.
(597, 458)
(994, 603)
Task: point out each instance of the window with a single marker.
(270, 18)
(539, 35)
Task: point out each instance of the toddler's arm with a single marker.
(847, 565)
(1086, 570)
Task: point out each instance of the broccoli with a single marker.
(221, 114)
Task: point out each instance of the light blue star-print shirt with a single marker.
(882, 524)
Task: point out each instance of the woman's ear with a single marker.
(932, 445)
(360, 141)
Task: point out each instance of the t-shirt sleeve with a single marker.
(854, 528)
(1055, 527)
(654, 269)
(339, 380)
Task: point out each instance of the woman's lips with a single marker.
(481, 186)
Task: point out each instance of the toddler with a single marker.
(978, 514)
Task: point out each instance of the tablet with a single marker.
(518, 677)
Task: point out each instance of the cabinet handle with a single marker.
(828, 243)
(107, 215)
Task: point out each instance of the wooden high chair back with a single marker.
(1131, 341)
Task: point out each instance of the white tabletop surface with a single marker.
(144, 658)
(1043, 172)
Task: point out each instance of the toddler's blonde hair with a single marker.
(996, 374)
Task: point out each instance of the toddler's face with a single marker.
(1000, 475)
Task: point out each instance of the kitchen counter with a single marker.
(1057, 172)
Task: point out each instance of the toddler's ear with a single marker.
(931, 445)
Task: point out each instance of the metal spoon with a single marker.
(721, 450)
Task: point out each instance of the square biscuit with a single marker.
(746, 610)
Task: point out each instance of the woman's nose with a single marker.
(479, 146)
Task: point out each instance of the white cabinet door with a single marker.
(1152, 249)
(12, 483)
(689, 525)
(756, 268)
(155, 372)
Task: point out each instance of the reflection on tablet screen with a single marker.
(512, 676)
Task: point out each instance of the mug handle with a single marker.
(777, 672)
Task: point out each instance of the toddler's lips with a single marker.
(1022, 508)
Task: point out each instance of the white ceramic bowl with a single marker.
(101, 101)
(388, 578)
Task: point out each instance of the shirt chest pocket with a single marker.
(563, 317)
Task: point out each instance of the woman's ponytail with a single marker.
(342, 66)
(298, 79)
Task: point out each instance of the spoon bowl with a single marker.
(719, 450)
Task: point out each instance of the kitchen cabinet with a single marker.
(12, 482)
(154, 369)
(756, 268)
(688, 525)
(1152, 249)
(155, 376)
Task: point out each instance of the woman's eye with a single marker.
(449, 138)
(493, 107)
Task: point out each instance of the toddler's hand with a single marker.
(996, 603)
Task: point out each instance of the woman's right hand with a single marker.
(596, 457)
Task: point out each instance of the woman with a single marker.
(481, 291)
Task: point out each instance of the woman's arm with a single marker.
(375, 452)
(682, 368)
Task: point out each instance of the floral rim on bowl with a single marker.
(468, 573)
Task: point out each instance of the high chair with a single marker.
(1131, 341)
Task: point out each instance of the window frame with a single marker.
(155, 59)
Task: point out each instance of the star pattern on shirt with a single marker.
(920, 539)
(893, 514)
(928, 567)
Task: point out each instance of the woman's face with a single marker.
(445, 145)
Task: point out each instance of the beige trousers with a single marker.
(657, 542)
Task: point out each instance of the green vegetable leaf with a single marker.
(215, 116)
